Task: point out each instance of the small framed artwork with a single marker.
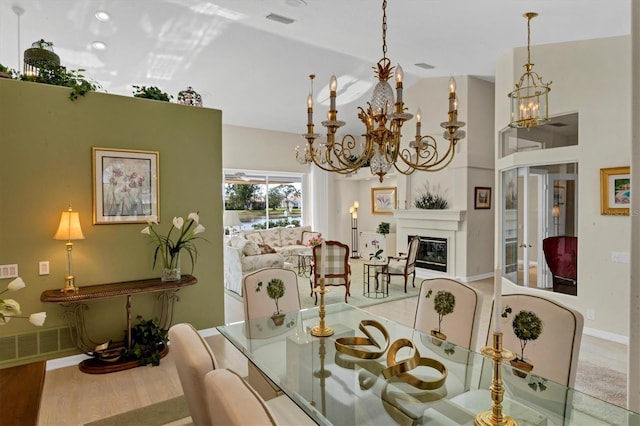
(615, 191)
(482, 198)
(125, 185)
(384, 200)
(558, 195)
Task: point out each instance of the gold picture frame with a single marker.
(126, 185)
(615, 191)
(384, 200)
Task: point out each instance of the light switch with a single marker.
(43, 267)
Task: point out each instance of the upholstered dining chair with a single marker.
(337, 271)
(257, 304)
(193, 358)
(232, 401)
(561, 254)
(459, 326)
(554, 354)
(405, 264)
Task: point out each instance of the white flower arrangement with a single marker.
(10, 308)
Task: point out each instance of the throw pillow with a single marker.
(251, 249)
(254, 236)
(266, 248)
(308, 235)
(237, 242)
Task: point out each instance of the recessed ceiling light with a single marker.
(280, 18)
(424, 65)
(98, 45)
(103, 16)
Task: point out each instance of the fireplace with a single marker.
(432, 253)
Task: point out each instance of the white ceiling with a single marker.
(256, 70)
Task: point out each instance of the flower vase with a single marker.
(171, 273)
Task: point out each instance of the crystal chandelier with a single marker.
(383, 119)
(530, 99)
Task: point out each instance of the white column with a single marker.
(633, 382)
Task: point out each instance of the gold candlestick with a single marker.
(321, 330)
(494, 417)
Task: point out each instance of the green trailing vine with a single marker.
(147, 341)
(151, 92)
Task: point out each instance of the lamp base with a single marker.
(487, 418)
(69, 286)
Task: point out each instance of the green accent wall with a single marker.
(45, 165)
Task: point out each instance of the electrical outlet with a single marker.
(591, 315)
(8, 271)
(43, 267)
(621, 257)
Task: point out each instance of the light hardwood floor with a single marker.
(71, 397)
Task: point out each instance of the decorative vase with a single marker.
(522, 367)
(278, 319)
(438, 337)
(171, 274)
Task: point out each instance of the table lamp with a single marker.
(69, 229)
(231, 220)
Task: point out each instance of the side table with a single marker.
(375, 275)
(305, 261)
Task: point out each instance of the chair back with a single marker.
(461, 325)
(561, 254)
(554, 354)
(232, 401)
(412, 254)
(193, 359)
(257, 304)
(336, 266)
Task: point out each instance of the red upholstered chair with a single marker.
(561, 254)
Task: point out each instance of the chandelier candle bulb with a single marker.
(399, 76)
(333, 87)
(310, 110)
(418, 123)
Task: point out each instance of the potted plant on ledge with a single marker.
(275, 290)
(443, 303)
(527, 326)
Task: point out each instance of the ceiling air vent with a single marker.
(424, 65)
(557, 124)
(280, 18)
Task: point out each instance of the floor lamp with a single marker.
(353, 211)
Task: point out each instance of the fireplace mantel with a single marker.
(433, 219)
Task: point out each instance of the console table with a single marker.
(74, 310)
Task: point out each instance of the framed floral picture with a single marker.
(482, 198)
(384, 200)
(125, 185)
(615, 191)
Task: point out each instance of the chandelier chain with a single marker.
(384, 28)
(529, 39)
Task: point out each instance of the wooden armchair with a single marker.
(405, 265)
(337, 268)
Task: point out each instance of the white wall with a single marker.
(591, 77)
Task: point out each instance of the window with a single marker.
(264, 199)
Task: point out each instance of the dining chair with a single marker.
(193, 359)
(232, 401)
(405, 264)
(554, 354)
(461, 325)
(257, 304)
(337, 271)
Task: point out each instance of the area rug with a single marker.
(602, 382)
(172, 411)
(357, 298)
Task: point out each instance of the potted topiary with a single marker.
(275, 290)
(443, 303)
(151, 92)
(527, 326)
(383, 228)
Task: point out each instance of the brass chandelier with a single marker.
(383, 119)
(530, 99)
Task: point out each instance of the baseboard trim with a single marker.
(605, 335)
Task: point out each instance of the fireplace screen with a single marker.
(432, 253)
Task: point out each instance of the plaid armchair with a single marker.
(337, 270)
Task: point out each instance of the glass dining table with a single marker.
(359, 375)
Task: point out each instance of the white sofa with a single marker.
(257, 249)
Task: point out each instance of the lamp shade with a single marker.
(69, 228)
(231, 218)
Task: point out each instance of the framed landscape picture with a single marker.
(383, 200)
(125, 185)
(615, 191)
(482, 198)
